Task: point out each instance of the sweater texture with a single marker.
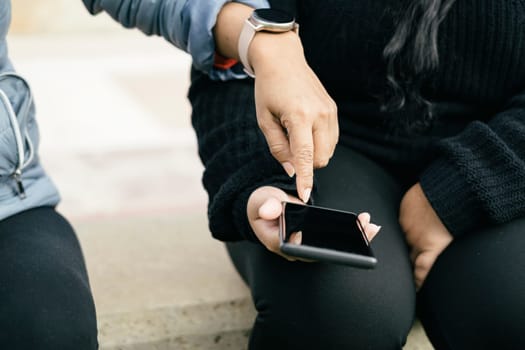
(470, 161)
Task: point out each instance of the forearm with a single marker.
(479, 177)
(228, 28)
(233, 152)
(162, 17)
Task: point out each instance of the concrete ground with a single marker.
(116, 137)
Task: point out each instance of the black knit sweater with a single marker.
(470, 162)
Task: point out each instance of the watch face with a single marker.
(273, 16)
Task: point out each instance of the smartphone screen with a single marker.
(327, 234)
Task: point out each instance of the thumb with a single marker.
(271, 208)
(266, 203)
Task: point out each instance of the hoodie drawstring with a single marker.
(16, 121)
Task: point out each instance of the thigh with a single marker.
(474, 296)
(45, 299)
(317, 305)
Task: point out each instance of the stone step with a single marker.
(162, 282)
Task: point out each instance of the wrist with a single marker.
(275, 49)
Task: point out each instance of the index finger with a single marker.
(302, 149)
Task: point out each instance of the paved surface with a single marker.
(116, 138)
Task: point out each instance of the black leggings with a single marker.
(474, 297)
(45, 299)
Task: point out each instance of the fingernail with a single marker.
(306, 195)
(288, 167)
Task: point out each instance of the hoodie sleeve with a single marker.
(479, 175)
(187, 24)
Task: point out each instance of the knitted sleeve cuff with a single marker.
(240, 216)
(227, 210)
(450, 195)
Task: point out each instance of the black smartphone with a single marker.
(327, 235)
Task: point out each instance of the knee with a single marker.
(45, 329)
(475, 321)
(325, 331)
(334, 319)
(48, 310)
(473, 296)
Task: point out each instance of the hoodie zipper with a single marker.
(22, 162)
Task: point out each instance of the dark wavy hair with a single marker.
(411, 56)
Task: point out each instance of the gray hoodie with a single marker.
(23, 182)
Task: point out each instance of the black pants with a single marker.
(474, 296)
(45, 299)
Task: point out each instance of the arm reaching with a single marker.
(295, 113)
(187, 24)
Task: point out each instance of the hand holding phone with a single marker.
(326, 235)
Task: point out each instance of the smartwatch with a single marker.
(267, 20)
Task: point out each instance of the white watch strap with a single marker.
(245, 39)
